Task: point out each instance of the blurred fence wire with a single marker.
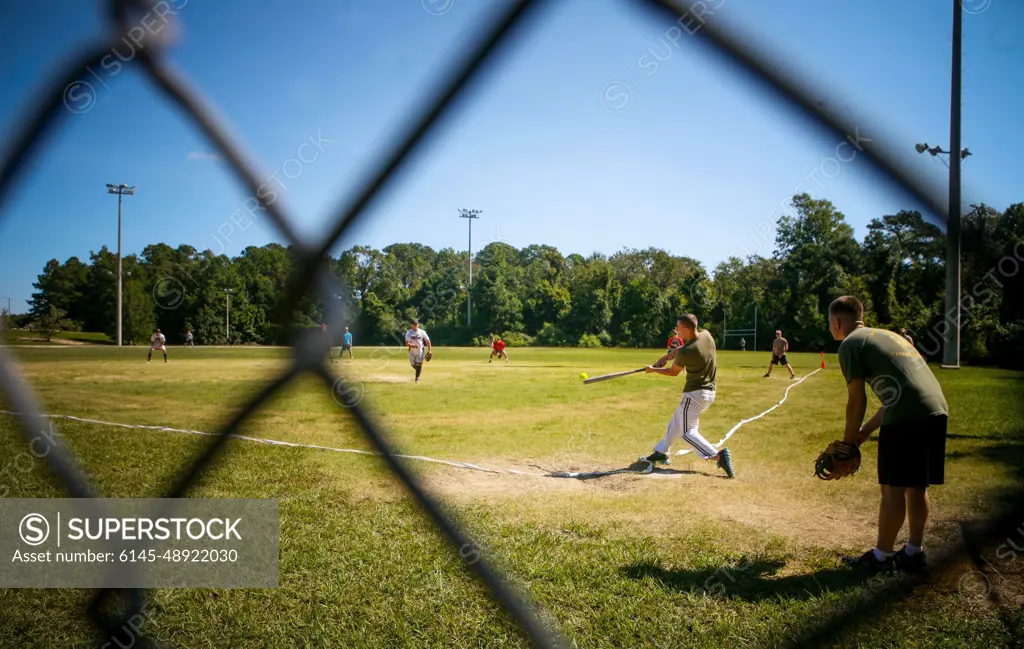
(112, 612)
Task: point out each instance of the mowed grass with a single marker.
(25, 337)
(682, 558)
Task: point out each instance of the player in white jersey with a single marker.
(189, 339)
(418, 343)
(158, 342)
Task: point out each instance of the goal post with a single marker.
(739, 333)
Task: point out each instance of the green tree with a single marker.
(52, 322)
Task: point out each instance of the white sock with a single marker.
(882, 556)
(910, 549)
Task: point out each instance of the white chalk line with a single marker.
(275, 442)
(421, 458)
(747, 421)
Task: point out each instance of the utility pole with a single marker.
(120, 190)
(951, 344)
(227, 316)
(469, 214)
(951, 351)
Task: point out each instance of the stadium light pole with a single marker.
(227, 316)
(120, 190)
(469, 214)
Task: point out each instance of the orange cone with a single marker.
(822, 360)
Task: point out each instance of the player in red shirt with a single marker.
(498, 349)
(675, 341)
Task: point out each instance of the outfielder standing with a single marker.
(779, 348)
(903, 332)
(697, 356)
(189, 339)
(346, 344)
(498, 349)
(159, 342)
(912, 438)
(418, 342)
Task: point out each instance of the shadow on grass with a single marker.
(752, 582)
(839, 626)
(634, 469)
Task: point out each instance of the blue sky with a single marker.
(553, 148)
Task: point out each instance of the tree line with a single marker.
(538, 296)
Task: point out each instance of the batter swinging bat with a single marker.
(608, 377)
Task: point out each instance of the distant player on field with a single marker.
(912, 437)
(323, 330)
(903, 332)
(189, 342)
(674, 341)
(498, 349)
(346, 344)
(158, 342)
(697, 357)
(743, 344)
(779, 348)
(418, 343)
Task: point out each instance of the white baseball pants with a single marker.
(685, 421)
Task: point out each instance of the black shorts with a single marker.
(779, 360)
(913, 454)
(344, 347)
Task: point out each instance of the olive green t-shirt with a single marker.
(698, 358)
(895, 372)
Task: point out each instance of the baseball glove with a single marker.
(839, 460)
(428, 356)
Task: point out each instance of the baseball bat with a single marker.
(615, 375)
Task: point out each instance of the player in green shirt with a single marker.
(697, 357)
(911, 424)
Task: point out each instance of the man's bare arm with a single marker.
(856, 406)
(871, 426)
(672, 370)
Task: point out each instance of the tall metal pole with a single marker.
(469, 293)
(951, 350)
(755, 326)
(120, 190)
(469, 214)
(119, 293)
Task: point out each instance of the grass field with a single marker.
(681, 558)
(26, 337)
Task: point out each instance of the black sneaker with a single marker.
(766, 376)
(725, 462)
(657, 457)
(915, 564)
(869, 564)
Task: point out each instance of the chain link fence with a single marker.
(112, 612)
